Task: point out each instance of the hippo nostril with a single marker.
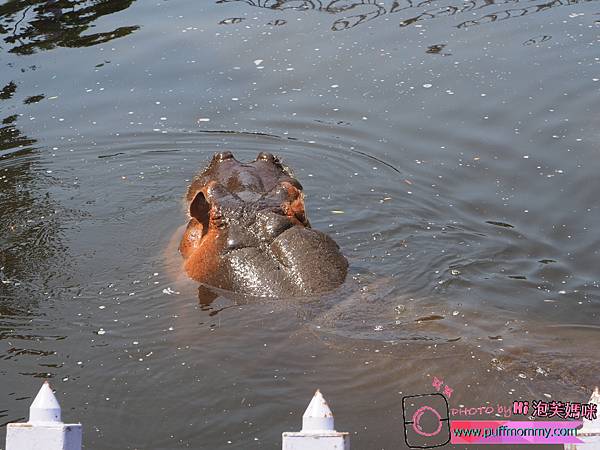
(222, 156)
(265, 156)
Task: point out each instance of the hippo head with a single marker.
(249, 233)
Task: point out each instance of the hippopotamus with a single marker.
(248, 232)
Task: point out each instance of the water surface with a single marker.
(450, 148)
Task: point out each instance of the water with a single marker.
(459, 139)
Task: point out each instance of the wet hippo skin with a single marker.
(248, 232)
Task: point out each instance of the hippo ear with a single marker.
(200, 209)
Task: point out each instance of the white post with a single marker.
(44, 431)
(318, 432)
(589, 433)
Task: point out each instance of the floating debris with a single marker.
(428, 318)
(231, 21)
(399, 309)
(170, 291)
(499, 224)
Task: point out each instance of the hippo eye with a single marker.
(294, 183)
(292, 202)
(265, 156)
(222, 156)
(199, 210)
(288, 190)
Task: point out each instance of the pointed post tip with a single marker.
(318, 415)
(45, 407)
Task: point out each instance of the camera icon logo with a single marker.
(426, 420)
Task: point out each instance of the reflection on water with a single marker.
(8, 91)
(31, 248)
(16, 200)
(33, 256)
(511, 13)
(11, 137)
(356, 13)
(32, 25)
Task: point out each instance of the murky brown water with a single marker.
(459, 138)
